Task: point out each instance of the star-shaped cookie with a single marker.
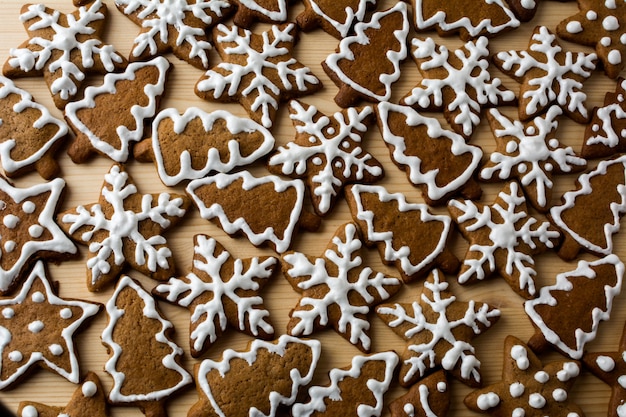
(439, 330)
(221, 291)
(337, 289)
(38, 328)
(503, 238)
(28, 230)
(64, 48)
(88, 400)
(124, 228)
(528, 388)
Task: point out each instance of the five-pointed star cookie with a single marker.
(38, 327)
(124, 228)
(28, 230)
(337, 289)
(88, 400)
(528, 388)
(503, 238)
(221, 291)
(63, 48)
(258, 71)
(439, 330)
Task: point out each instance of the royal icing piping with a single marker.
(66, 333)
(603, 131)
(618, 208)
(140, 113)
(458, 147)
(168, 361)
(584, 269)
(18, 197)
(212, 288)
(279, 348)
(320, 395)
(402, 253)
(214, 162)
(394, 57)
(352, 16)
(341, 148)
(215, 210)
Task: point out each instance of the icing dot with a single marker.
(89, 389)
(442, 386)
(521, 168)
(55, 349)
(620, 98)
(330, 131)
(553, 143)
(36, 326)
(16, 356)
(530, 130)
(573, 414)
(559, 395)
(516, 389)
(312, 139)
(10, 221)
(345, 144)
(317, 161)
(595, 128)
(409, 410)
(38, 297)
(548, 166)
(574, 27)
(487, 401)
(338, 164)
(66, 313)
(610, 4)
(610, 23)
(614, 57)
(542, 377)
(591, 15)
(520, 355)
(528, 4)
(28, 207)
(8, 313)
(623, 133)
(511, 147)
(9, 246)
(570, 370)
(606, 363)
(536, 400)
(622, 381)
(30, 411)
(518, 412)
(3, 205)
(35, 230)
(622, 39)
(605, 41)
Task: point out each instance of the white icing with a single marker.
(487, 400)
(38, 297)
(542, 377)
(30, 411)
(614, 57)
(570, 370)
(36, 326)
(351, 15)
(10, 221)
(559, 395)
(610, 4)
(89, 389)
(574, 27)
(15, 356)
(140, 114)
(591, 15)
(518, 412)
(442, 386)
(610, 23)
(28, 207)
(9, 246)
(8, 313)
(409, 410)
(56, 349)
(605, 41)
(528, 4)
(605, 363)
(622, 381)
(35, 231)
(66, 313)
(184, 160)
(536, 400)
(516, 389)
(520, 355)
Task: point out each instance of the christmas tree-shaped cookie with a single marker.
(144, 361)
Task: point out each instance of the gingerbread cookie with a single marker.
(328, 152)
(601, 24)
(270, 373)
(88, 400)
(132, 97)
(337, 289)
(28, 230)
(469, 19)
(221, 291)
(356, 390)
(528, 388)
(266, 11)
(124, 228)
(144, 361)
(258, 71)
(407, 235)
(439, 162)
(196, 144)
(525, 10)
(233, 201)
(38, 328)
(181, 29)
(336, 18)
(548, 76)
(30, 136)
(568, 313)
(366, 64)
(606, 134)
(439, 329)
(63, 48)
(531, 153)
(457, 83)
(430, 397)
(590, 215)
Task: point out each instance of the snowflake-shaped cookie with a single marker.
(259, 70)
(606, 134)
(503, 238)
(177, 25)
(528, 388)
(124, 228)
(548, 75)
(337, 289)
(49, 324)
(64, 47)
(439, 330)
(601, 24)
(29, 134)
(457, 83)
(221, 291)
(328, 151)
(531, 153)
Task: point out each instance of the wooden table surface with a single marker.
(85, 181)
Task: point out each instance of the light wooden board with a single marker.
(84, 181)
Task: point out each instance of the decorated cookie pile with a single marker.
(319, 208)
